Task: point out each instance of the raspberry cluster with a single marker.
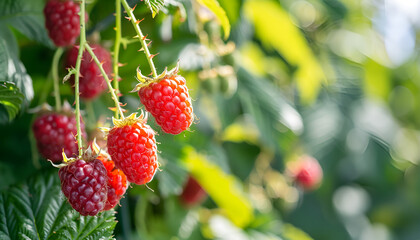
(96, 180)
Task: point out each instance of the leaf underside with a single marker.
(38, 210)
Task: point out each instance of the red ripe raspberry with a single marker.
(306, 172)
(62, 21)
(192, 193)
(117, 182)
(167, 99)
(85, 186)
(132, 146)
(91, 81)
(55, 133)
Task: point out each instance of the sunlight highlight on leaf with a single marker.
(11, 98)
(275, 29)
(293, 233)
(239, 132)
(221, 187)
(214, 6)
(377, 80)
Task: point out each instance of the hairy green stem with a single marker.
(90, 115)
(54, 71)
(45, 90)
(108, 82)
(77, 75)
(117, 47)
(140, 36)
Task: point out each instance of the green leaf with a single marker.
(10, 39)
(12, 70)
(155, 6)
(11, 98)
(38, 210)
(377, 80)
(275, 29)
(222, 188)
(27, 17)
(291, 232)
(233, 9)
(214, 6)
(171, 178)
(267, 106)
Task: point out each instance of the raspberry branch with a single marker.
(54, 71)
(140, 36)
(108, 82)
(117, 46)
(77, 75)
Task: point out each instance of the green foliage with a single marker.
(220, 14)
(287, 39)
(154, 6)
(38, 210)
(11, 98)
(13, 72)
(27, 17)
(222, 188)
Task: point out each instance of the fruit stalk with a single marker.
(140, 36)
(108, 82)
(54, 71)
(117, 46)
(77, 75)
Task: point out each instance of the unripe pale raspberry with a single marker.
(85, 185)
(132, 146)
(169, 102)
(62, 21)
(55, 133)
(91, 81)
(306, 172)
(117, 182)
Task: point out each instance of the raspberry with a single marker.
(85, 185)
(306, 172)
(132, 146)
(91, 81)
(55, 133)
(117, 182)
(62, 21)
(167, 99)
(192, 193)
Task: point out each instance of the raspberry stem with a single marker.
(117, 46)
(108, 82)
(54, 71)
(77, 75)
(140, 36)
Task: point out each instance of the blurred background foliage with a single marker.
(337, 80)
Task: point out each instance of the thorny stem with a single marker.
(54, 71)
(140, 36)
(108, 82)
(77, 75)
(117, 46)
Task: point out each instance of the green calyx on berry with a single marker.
(130, 120)
(90, 154)
(144, 81)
